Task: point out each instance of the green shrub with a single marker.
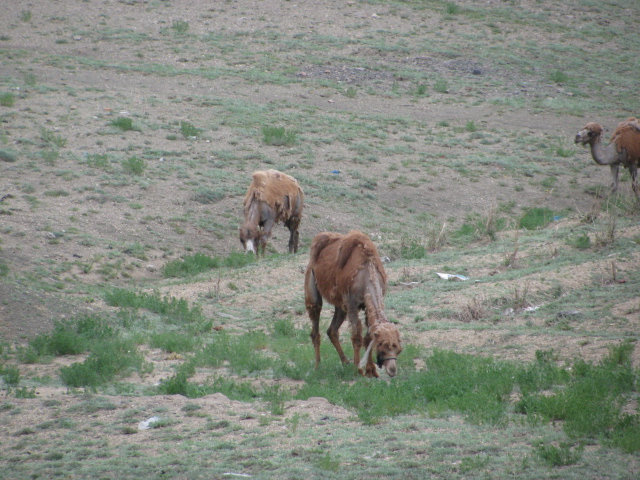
(175, 311)
(173, 342)
(98, 160)
(421, 90)
(70, 337)
(123, 123)
(198, 263)
(559, 456)
(7, 99)
(10, 375)
(441, 86)
(50, 156)
(582, 242)
(49, 137)
(626, 434)
(8, 156)
(558, 76)
(107, 360)
(536, 218)
(134, 165)
(590, 402)
(412, 249)
(277, 136)
(207, 195)
(180, 26)
(451, 8)
(188, 130)
(190, 265)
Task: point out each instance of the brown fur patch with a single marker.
(594, 127)
(348, 254)
(627, 136)
(278, 190)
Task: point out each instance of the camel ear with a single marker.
(376, 334)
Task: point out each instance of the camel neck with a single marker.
(253, 213)
(603, 155)
(373, 297)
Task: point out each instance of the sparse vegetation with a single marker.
(277, 136)
(444, 130)
(7, 99)
(124, 123)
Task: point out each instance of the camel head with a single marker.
(250, 239)
(388, 345)
(590, 134)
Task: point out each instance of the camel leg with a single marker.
(292, 224)
(356, 333)
(370, 370)
(633, 170)
(266, 233)
(614, 178)
(313, 302)
(334, 332)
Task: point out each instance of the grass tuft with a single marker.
(278, 136)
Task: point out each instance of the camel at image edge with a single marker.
(347, 272)
(623, 149)
(273, 197)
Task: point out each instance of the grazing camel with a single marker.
(624, 149)
(272, 197)
(347, 272)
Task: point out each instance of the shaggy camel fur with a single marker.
(624, 149)
(347, 272)
(272, 197)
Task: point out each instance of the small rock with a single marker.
(151, 268)
(146, 424)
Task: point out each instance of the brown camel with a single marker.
(272, 197)
(347, 272)
(624, 149)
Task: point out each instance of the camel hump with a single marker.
(320, 242)
(350, 242)
(272, 187)
(627, 136)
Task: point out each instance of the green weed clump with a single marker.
(107, 360)
(536, 218)
(8, 156)
(176, 311)
(173, 342)
(180, 26)
(559, 456)
(207, 195)
(123, 123)
(49, 137)
(134, 165)
(477, 387)
(10, 374)
(411, 249)
(591, 400)
(7, 99)
(278, 136)
(194, 264)
(188, 130)
(71, 337)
